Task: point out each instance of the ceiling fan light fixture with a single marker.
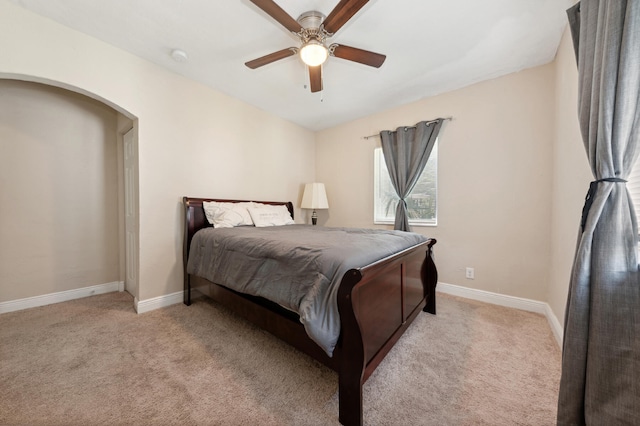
(314, 53)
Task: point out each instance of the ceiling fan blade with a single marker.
(315, 78)
(341, 14)
(271, 57)
(276, 12)
(357, 55)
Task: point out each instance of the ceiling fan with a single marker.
(313, 29)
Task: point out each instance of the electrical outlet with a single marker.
(470, 273)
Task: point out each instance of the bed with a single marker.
(376, 302)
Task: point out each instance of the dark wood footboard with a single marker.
(377, 303)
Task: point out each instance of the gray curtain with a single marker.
(406, 152)
(600, 382)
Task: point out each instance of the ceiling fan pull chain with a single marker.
(322, 77)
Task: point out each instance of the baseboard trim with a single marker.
(147, 305)
(507, 301)
(62, 296)
(154, 303)
(556, 327)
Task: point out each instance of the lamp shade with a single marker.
(314, 197)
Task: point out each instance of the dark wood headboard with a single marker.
(195, 219)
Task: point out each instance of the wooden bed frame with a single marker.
(376, 302)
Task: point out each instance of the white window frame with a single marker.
(380, 172)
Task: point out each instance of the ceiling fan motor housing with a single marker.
(311, 23)
(311, 19)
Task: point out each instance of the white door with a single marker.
(131, 212)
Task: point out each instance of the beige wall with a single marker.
(571, 177)
(494, 179)
(192, 140)
(58, 191)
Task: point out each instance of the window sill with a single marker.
(426, 224)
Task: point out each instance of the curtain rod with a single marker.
(409, 127)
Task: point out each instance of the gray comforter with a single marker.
(297, 266)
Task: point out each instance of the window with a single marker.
(421, 203)
(633, 186)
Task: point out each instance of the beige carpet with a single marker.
(94, 361)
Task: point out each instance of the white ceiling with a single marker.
(432, 46)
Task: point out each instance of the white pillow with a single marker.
(269, 215)
(227, 215)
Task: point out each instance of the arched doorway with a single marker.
(63, 235)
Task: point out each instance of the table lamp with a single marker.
(314, 197)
